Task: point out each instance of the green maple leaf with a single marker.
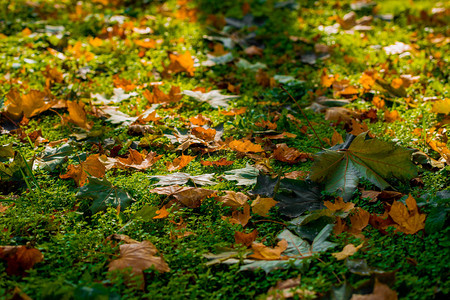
(373, 159)
(103, 194)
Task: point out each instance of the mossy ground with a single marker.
(76, 256)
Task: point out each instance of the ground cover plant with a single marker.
(224, 149)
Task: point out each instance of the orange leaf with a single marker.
(409, 219)
(240, 217)
(180, 63)
(161, 213)
(245, 146)
(391, 116)
(397, 83)
(137, 160)
(339, 204)
(91, 166)
(261, 251)
(199, 120)
(179, 162)
(378, 102)
(158, 96)
(266, 124)
(146, 43)
(245, 239)
(261, 206)
(27, 105)
(77, 115)
(204, 134)
(348, 250)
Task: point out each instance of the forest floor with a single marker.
(224, 149)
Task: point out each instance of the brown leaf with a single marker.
(234, 111)
(380, 292)
(289, 155)
(266, 124)
(297, 175)
(408, 218)
(261, 251)
(240, 217)
(91, 166)
(138, 257)
(188, 196)
(77, 115)
(253, 50)
(339, 204)
(261, 206)
(358, 128)
(233, 199)
(245, 146)
(359, 220)
(19, 258)
(179, 162)
(199, 120)
(245, 239)
(27, 105)
(391, 116)
(137, 160)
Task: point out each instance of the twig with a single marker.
(304, 115)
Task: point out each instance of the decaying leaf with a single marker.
(19, 258)
(27, 105)
(289, 155)
(139, 257)
(233, 199)
(339, 204)
(245, 239)
(179, 162)
(245, 146)
(188, 196)
(262, 252)
(159, 96)
(180, 63)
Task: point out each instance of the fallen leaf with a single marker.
(214, 97)
(253, 50)
(244, 176)
(90, 167)
(372, 159)
(161, 213)
(27, 105)
(183, 178)
(159, 96)
(245, 146)
(240, 217)
(261, 251)
(199, 120)
(138, 257)
(441, 106)
(180, 63)
(289, 155)
(233, 199)
(179, 162)
(408, 218)
(77, 115)
(118, 96)
(359, 220)
(207, 134)
(339, 205)
(137, 160)
(391, 116)
(348, 251)
(234, 111)
(103, 194)
(188, 196)
(245, 239)
(261, 206)
(19, 259)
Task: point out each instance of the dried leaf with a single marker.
(180, 63)
(339, 205)
(233, 199)
(245, 239)
(289, 155)
(90, 167)
(188, 196)
(19, 258)
(262, 252)
(245, 146)
(348, 250)
(159, 96)
(179, 162)
(27, 105)
(261, 206)
(408, 218)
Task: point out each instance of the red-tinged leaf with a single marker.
(221, 162)
(204, 134)
(289, 155)
(90, 167)
(179, 162)
(245, 239)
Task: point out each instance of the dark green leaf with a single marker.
(103, 194)
(436, 219)
(373, 159)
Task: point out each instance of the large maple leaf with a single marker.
(341, 167)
